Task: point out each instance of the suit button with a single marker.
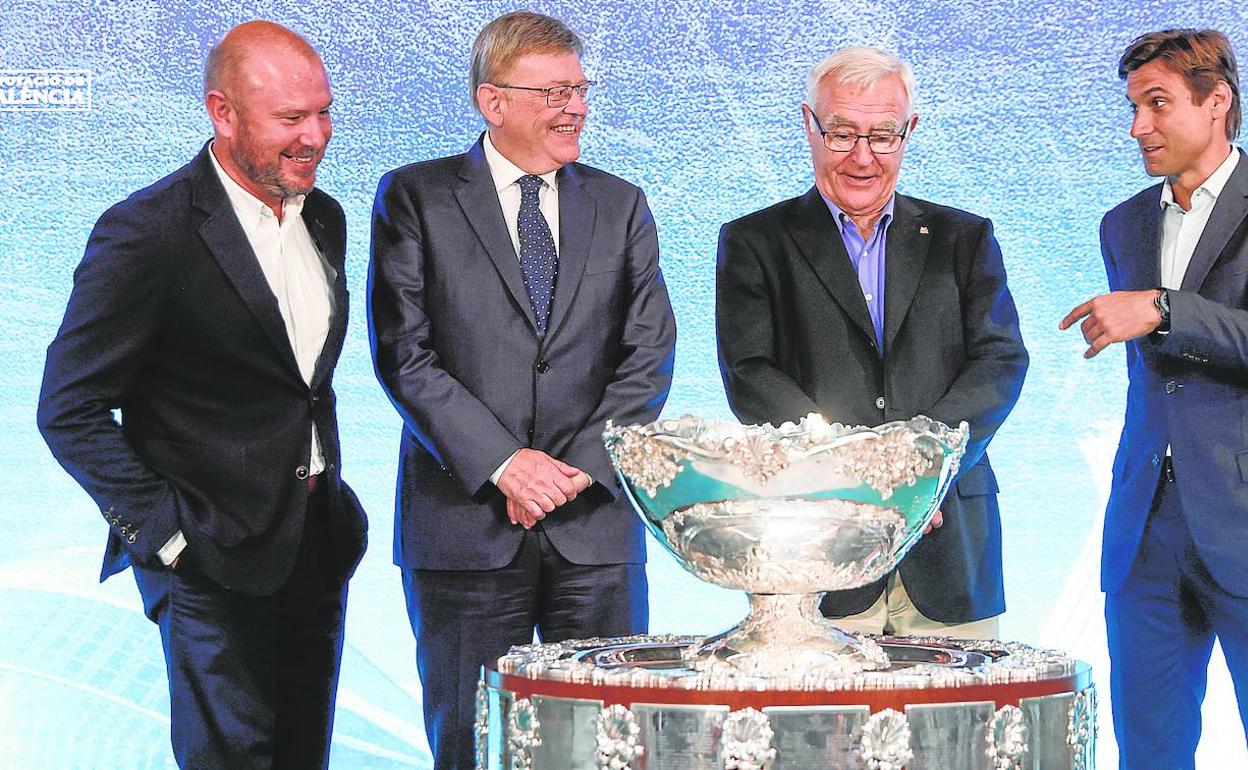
(879, 402)
(315, 398)
(542, 367)
(1155, 459)
(1171, 386)
(301, 472)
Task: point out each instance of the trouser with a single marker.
(466, 619)
(1161, 627)
(895, 615)
(252, 680)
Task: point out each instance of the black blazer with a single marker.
(455, 347)
(172, 322)
(795, 337)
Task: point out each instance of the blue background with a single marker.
(1022, 119)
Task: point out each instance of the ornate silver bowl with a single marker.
(784, 514)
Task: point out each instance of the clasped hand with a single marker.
(536, 484)
(1115, 317)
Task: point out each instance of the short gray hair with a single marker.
(861, 66)
(502, 43)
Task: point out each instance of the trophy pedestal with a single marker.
(786, 634)
(636, 703)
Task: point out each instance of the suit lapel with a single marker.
(819, 241)
(478, 198)
(225, 239)
(334, 252)
(905, 256)
(1228, 214)
(577, 212)
(1147, 226)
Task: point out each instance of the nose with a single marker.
(1141, 124)
(577, 105)
(317, 130)
(861, 154)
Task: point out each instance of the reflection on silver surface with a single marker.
(659, 662)
(784, 514)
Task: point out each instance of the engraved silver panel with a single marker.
(949, 735)
(568, 733)
(678, 737)
(1048, 720)
(816, 736)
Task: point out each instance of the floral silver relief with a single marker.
(618, 738)
(793, 511)
(1007, 738)
(746, 741)
(481, 727)
(1081, 729)
(885, 741)
(522, 734)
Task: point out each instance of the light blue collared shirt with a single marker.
(868, 261)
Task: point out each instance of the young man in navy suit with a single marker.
(1173, 565)
(516, 305)
(210, 310)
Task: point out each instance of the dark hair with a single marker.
(1203, 57)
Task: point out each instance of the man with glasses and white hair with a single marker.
(515, 305)
(868, 306)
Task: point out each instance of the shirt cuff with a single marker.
(498, 473)
(172, 549)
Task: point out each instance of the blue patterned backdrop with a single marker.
(1022, 120)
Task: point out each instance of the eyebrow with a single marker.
(884, 125)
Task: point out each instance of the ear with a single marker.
(914, 123)
(1220, 100)
(491, 103)
(221, 113)
(807, 123)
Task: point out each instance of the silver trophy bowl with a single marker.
(784, 514)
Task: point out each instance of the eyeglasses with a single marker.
(841, 139)
(557, 96)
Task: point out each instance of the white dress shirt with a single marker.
(1180, 230)
(300, 279)
(506, 183)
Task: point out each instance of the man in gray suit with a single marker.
(869, 306)
(1173, 566)
(516, 305)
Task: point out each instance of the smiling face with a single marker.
(1178, 138)
(273, 123)
(860, 182)
(536, 137)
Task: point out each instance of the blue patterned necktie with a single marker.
(537, 251)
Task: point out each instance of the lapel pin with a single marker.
(923, 230)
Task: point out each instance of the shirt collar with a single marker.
(505, 172)
(1211, 188)
(250, 209)
(843, 220)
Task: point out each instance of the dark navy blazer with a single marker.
(172, 322)
(1188, 389)
(455, 348)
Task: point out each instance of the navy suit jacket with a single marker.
(455, 348)
(172, 322)
(1188, 389)
(795, 337)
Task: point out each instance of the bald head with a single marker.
(228, 58)
(268, 97)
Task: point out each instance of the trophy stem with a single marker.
(785, 634)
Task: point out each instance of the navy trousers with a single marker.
(252, 680)
(463, 620)
(1162, 624)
